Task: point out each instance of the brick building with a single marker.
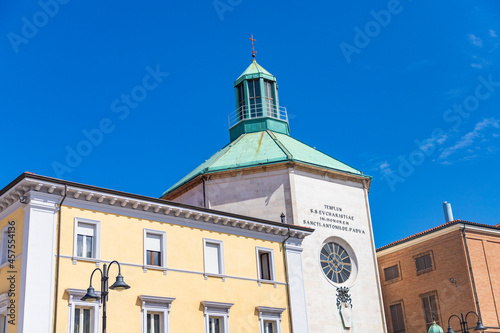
(450, 269)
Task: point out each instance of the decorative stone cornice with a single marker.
(46, 187)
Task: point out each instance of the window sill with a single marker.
(75, 259)
(207, 275)
(391, 281)
(423, 271)
(261, 281)
(155, 268)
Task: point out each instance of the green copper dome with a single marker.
(435, 328)
(264, 148)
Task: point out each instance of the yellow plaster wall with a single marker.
(5, 285)
(122, 240)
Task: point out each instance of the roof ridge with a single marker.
(329, 156)
(280, 145)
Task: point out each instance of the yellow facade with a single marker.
(49, 216)
(122, 239)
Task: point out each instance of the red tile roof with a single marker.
(439, 227)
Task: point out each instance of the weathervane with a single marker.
(253, 50)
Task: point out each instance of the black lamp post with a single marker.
(464, 327)
(119, 285)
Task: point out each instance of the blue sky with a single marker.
(406, 91)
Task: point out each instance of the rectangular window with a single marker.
(269, 326)
(270, 319)
(215, 324)
(241, 101)
(214, 258)
(154, 322)
(83, 316)
(153, 249)
(155, 313)
(255, 98)
(424, 263)
(86, 243)
(271, 109)
(83, 320)
(265, 264)
(216, 316)
(430, 306)
(3, 323)
(398, 322)
(391, 273)
(3, 245)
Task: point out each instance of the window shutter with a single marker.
(86, 229)
(153, 242)
(212, 252)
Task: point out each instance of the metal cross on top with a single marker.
(253, 50)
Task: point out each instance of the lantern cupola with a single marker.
(257, 104)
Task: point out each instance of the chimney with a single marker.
(448, 214)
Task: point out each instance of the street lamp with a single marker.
(464, 328)
(119, 285)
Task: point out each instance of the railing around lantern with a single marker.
(257, 111)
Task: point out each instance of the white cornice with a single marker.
(126, 205)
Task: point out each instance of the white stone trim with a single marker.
(272, 265)
(97, 239)
(3, 245)
(4, 310)
(156, 304)
(170, 269)
(163, 236)
(39, 239)
(220, 243)
(298, 304)
(217, 309)
(75, 296)
(270, 314)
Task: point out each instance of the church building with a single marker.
(266, 173)
(269, 235)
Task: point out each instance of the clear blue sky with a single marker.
(408, 92)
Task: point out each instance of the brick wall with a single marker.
(449, 262)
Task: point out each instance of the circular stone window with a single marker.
(336, 263)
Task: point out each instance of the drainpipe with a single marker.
(204, 195)
(285, 262)
(471, 273)
(58, 256)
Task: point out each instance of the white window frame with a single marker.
(97, 239)
(217, 309)
(4, 249)
(272, 268)
(155, 304)
(163, 236)
(4, 303)
(75, 296)
(220, 244)
(270, 314)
